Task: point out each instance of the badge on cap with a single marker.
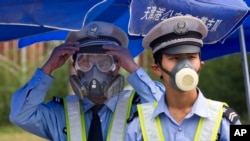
(180, 28)
(93, 31)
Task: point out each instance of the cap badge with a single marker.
(93, 31)
(180, 27)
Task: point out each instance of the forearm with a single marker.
(26, 100)
(147, 89)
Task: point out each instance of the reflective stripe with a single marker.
(148, 124)
(209, 127)
(120, 116)
(73, 119)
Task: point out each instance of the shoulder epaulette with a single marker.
(230, 114)
(132, 117)
(136, 99)
(58, 100)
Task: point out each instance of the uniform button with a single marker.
(180, 129)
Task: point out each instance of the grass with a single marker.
(12, 133)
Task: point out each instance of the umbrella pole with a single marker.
(245, 67)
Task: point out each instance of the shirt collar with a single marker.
(109, 103)
(199, 108)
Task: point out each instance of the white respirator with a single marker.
(183, 77)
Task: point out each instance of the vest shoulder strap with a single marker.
(151, 128)
(75, 127)
(122, 111)
(208, 127)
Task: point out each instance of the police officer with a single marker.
(182, 113)
(100, 103)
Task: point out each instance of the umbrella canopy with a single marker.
(44, 20)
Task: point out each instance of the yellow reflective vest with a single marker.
(75, 120)
(207, 127)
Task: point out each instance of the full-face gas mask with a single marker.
(95, 76)
(183, 76)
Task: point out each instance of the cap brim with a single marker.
(92, 49)
(182, 49)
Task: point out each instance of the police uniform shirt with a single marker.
(47, 120)
(173, 131)
(149, 90)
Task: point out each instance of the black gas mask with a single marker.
(95, 76)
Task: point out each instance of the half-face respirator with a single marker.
(183, 76)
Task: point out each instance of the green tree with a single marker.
(15, 74)
(222, 79)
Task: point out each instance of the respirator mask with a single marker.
(183, 77)
(95, 76)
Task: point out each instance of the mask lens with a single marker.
(82, 63)
(103, 62)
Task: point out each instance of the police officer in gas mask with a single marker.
(100, 106)
(97, 74)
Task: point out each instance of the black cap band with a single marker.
(98, 38)
(173, 36)
(90, 49)
(94, 47)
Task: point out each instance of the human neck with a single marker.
(98, 100)
(180, 104)
(180, 99)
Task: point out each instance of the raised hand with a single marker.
(123, 56)
(59, 56)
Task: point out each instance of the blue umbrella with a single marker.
(44, 20)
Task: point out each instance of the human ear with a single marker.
(202, 63)
(156, 70)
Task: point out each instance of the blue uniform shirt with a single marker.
(173, 131)
(47, 120)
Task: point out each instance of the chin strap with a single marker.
(164, 70)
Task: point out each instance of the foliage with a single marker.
(12, 133)
(222, 79)
(13, 77)
(60, 87)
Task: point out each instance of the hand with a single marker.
(123, 55)
(59, 56)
